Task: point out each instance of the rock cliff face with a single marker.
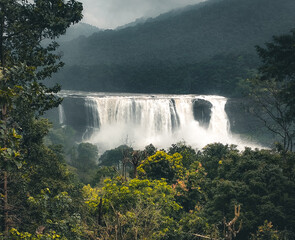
(75, 116)
(240, 116)
(202, 112)
(240, 113)
(244, 122)
(76, 113)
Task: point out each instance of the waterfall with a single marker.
(61, 114)
(139, 119)
(219, 123)
(158, 119)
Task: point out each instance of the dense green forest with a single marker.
(176, 52)
(161, 77)
(59, 191)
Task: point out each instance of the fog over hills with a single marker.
(205, 48)
(77, 30)
(111, 14)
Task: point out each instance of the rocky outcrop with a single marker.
(75, 111)
(75, 115)
(202, 112)
(243, 121)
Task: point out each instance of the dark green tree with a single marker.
(24, 63)
(104, 172)
(114, 156)
(87, 156)
(150, 150)
(162, 165)
(188, 154)
(258, 180)
(272, 90)
(278, 58)
(138, 209)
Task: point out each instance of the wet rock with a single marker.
(240, 112)
(202, 112)
(75, 112)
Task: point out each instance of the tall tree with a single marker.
(24, 63)
(273, 88)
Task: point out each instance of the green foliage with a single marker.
(190, 188)
(139, 209)
(43, 189)
(85, 161)
(162, 165)
(56, 205)
(192, 222)
(212, 157)
(165, 77)
(87, 156)
(28, 166)
(124, 195)
(272, 90)
(104, 172)
(266, 232)
(24, 60)
(278, 60)
(200, 197)
(114, 156)
(188, 154)
(150, 150)
(258, 180)
(16, 235)
(64, 136)
(47, 211)
(10, 155)
(91, 198)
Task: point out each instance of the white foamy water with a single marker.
(61, 114)
(138, 120)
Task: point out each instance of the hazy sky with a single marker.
(114, 13)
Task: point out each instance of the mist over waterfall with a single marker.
(138, 120)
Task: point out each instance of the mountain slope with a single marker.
(77, 30)
(171, 49)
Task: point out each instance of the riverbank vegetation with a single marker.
(179, 193)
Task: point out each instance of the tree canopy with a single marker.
(272, 90)
(24, 62)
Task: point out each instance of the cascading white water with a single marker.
(138, 120)
(61, 115)
(219, 123)
(159, 119)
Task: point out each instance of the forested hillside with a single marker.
(78, 30)
(205, 48)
